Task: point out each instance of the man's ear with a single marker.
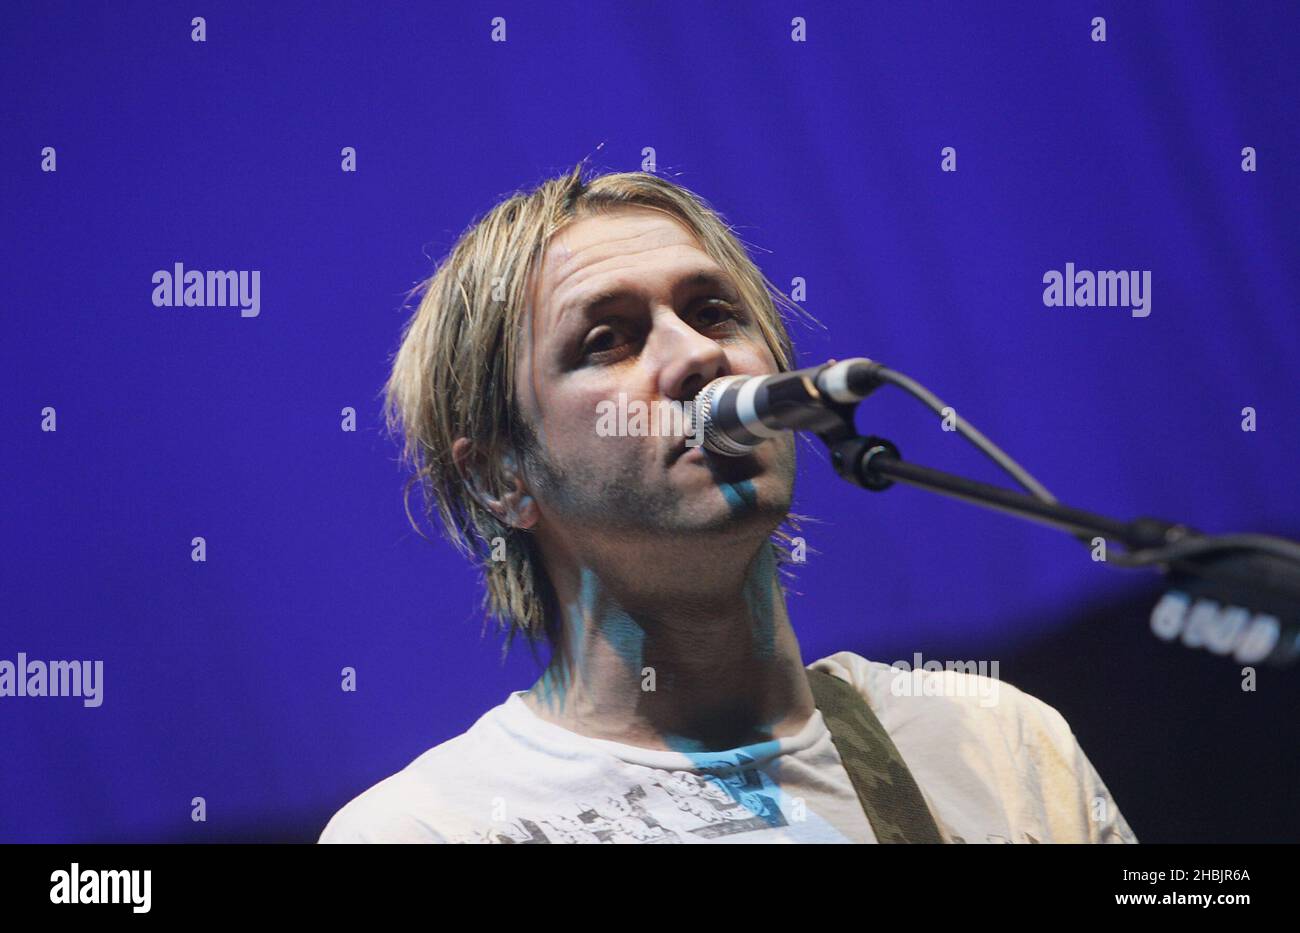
(513, 505)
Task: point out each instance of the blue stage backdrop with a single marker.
(818, 129)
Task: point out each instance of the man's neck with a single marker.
(708, 669)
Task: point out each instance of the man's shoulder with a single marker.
(963, 696)
(404, 807)
(975, 741)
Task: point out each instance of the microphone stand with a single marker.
(1237, 599)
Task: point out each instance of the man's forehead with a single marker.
(577, 260)
(629, 227)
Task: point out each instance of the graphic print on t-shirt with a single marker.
(725, 799)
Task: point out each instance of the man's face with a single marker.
(669, 322)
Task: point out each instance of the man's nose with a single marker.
(688, 360)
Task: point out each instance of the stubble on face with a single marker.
(616, 497)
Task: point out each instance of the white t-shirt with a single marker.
(1004, 771)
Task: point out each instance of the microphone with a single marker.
(737, 413)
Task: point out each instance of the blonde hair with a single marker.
(454, 373)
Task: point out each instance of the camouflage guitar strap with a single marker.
(886, 789)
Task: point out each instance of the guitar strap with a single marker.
(885, 787)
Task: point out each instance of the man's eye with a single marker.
(602, 340)
(605, 342)
(719, 310)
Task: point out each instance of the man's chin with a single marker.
(746, 507)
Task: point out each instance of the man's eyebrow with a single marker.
(709, 277)
(601, 300)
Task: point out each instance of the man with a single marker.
(675, 706)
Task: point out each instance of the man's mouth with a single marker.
(684, 447)
(727, 469)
